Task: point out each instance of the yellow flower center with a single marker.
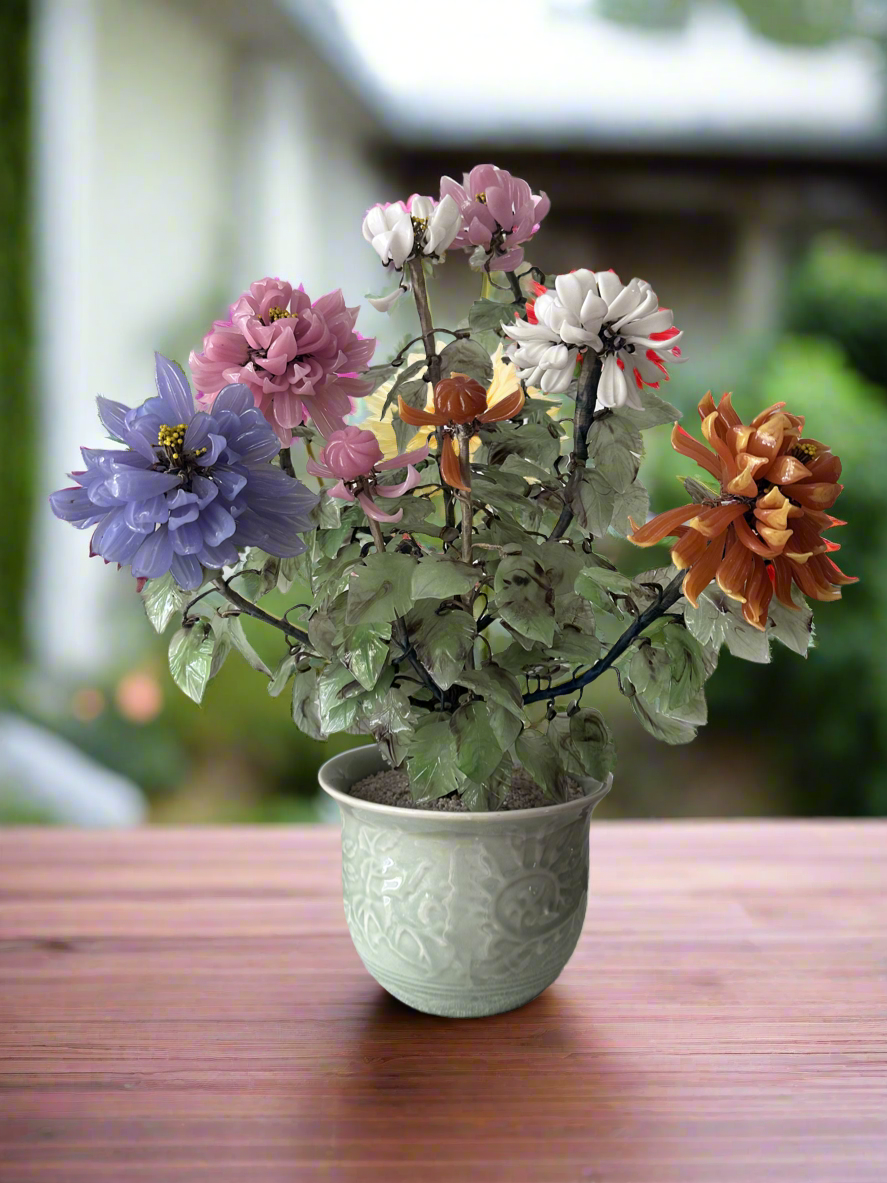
(173, 439)
(482, 197)
(278, 313)
(805, 451)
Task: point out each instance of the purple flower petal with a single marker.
(198, 431)
(184, 514)
(217, 524)
(186, 571)
(229, 480)
(215, 446)
(112, 417)
(236, 398)
(145, 515)
(73, 505)
(153, 557)
(224, 555)
(172, 386)
(119, 542)
(130, 483)
(204, 490)
(187, 539)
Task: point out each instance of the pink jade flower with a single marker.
(499, 212)
(300, 360)
(353, 458)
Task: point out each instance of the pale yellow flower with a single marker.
(503, 383)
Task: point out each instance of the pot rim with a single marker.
(445, 817)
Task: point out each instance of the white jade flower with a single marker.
(623, 323)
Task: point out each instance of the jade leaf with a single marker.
(616, 449)
(484, 315)
(191, 657)
(163, 598)
(431, 760)
(538, 755)
(497, 686)
(524, 598)
(286, 667)
(366, 651)
(439, 577)
(380, 589)
(337, 698)
(305, 713)
(443, 641)
(656, 413)
(465, 356)
(478, 748)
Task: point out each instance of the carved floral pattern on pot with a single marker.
(497, 909)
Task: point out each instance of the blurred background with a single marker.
(158, 155)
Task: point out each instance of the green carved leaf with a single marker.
(497, 686)
(671, 731)
(443, 641)
(656, 413)
(404, 375)
(524, 598)
(539, 756)
(467, 357)
(439, 577)
(337, 698)
(380, 589)
(591, 741)
(305, 713)
(191, 657)
(366, 651)
(163, 599)
(431, 760)
(488, 315)
(792, 627)
(687, 666)
(649, 670)
(634, 503)
(616, 449)
(532, 441)
(330, 577)
(478, 749)
(576, 640)
(592, 502)
(414, 394)
(286, 667)
(718, 620)
(480, 798)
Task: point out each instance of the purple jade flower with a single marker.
(499, 212)
(190, 489)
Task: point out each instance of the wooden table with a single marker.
(187, 1007)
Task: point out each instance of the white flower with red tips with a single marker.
(622, 323)
(353, 458)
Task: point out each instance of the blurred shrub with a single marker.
(840, 292)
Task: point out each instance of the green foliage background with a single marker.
(16, 394)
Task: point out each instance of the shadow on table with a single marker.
(527, 1095)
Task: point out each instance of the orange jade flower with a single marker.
(460, 402)
(763, 530)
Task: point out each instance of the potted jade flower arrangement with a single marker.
(451, 598)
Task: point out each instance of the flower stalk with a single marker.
(423, 308)
(586, 400)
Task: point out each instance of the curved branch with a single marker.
(248, 608)
(667, 597)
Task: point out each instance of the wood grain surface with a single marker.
(187, 1007)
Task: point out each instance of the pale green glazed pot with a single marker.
(461, 914)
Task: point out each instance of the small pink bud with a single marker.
(351, 453)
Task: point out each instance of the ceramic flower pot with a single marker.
(461, 914)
